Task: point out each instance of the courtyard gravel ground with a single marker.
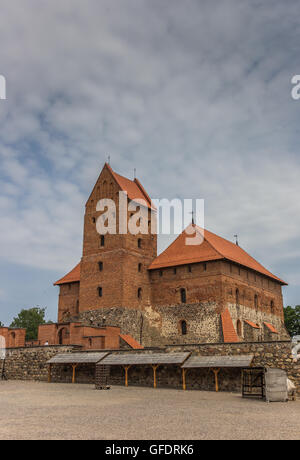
(33, 410)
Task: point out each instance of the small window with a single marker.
(102, 241)
(139, 293)
(100, 291)
(140, 267)
(204, 267)
(160, 273)
(183, 295)
(175, 271)
(100, 265)
(272, 307)
(94, 220)
(189, 269)
(139, 243)
(183, 327)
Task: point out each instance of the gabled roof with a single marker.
(134, 188)
(229, 333)
(213, 247)
(72, 277)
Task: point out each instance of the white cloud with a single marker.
(195, 96)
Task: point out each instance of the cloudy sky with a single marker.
(196, 95)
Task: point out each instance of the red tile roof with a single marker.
(213, 247)
(131, 341)
(271, 328)
(72, 277)
(229, 332)
(134, 189)
(256, 326)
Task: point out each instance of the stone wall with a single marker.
(266, 354)
(31, 363)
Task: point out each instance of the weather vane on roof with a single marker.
(236, 240)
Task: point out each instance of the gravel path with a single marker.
(32, 410)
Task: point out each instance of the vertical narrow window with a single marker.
(102, 241)
(183, 295)
(160, 273)
(204, 267)
(183, 327)
(140, 267)
(272, 307)
(100, 291)
(256, 301)
(139, 293)
(189, 269)
(174, 271)
(139, 243)
(100, 265)
(239, 328)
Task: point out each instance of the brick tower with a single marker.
(113, 269)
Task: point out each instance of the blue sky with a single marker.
(195, 95)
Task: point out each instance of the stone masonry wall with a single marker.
(31, 363)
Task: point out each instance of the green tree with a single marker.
(1, 324)
(292, 319)
(30, 320)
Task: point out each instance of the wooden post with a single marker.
(126, 375)
(154, 367)
(216, 371)
(73, 375)
(49, 373)
(184, 379)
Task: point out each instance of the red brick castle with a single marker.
(123, 294)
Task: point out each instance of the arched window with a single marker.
(256, 301)
(102, 240)
(239, 328)
(237, 297)
(139, 293)
(183, 327)
(183, 295)
(100, 291)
